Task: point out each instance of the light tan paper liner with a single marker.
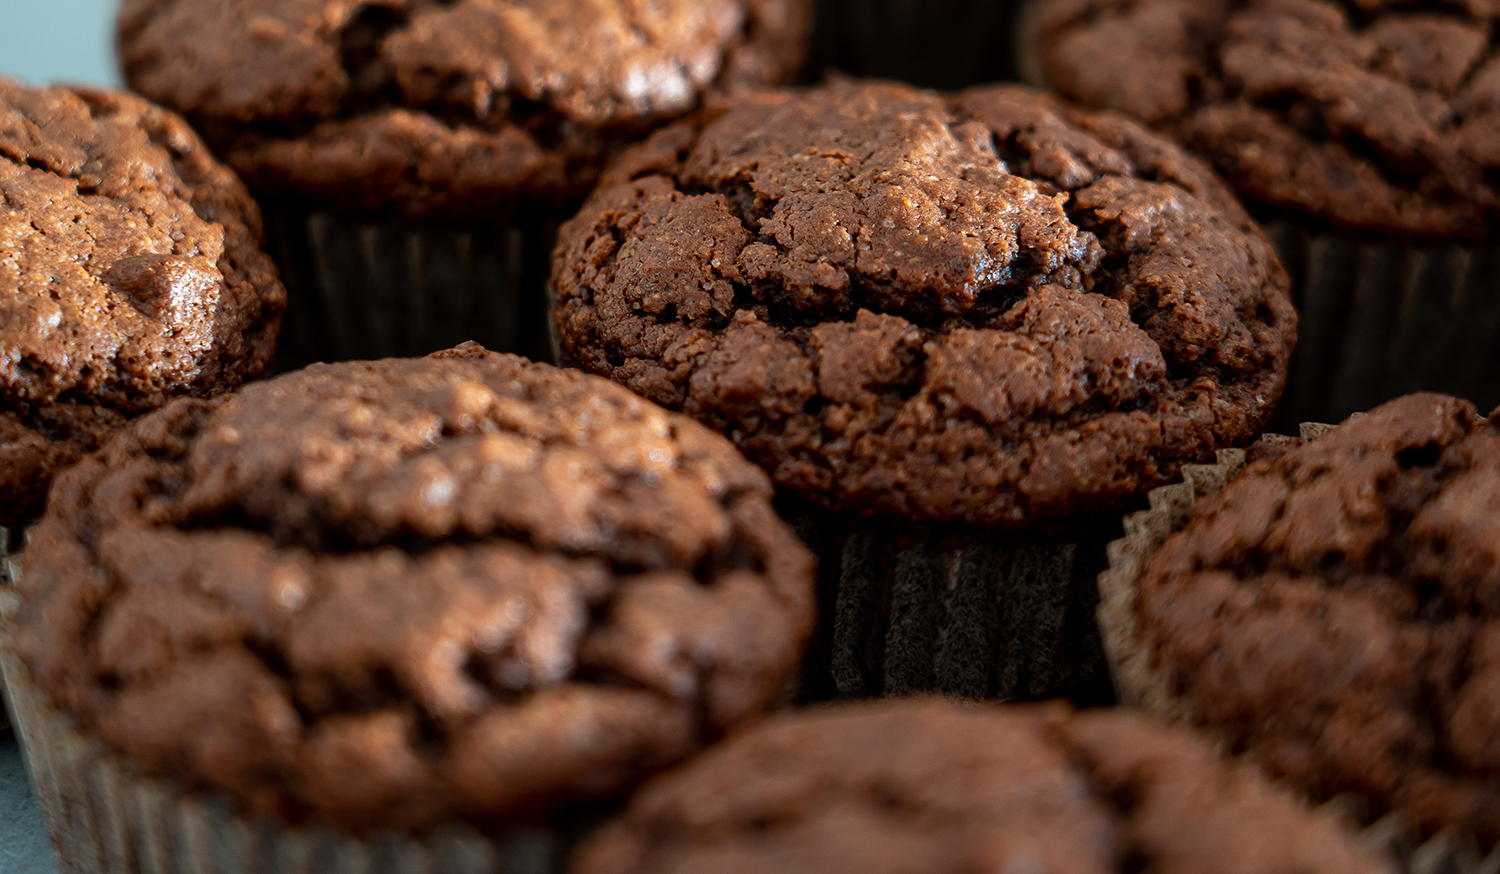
(1138, 684)
(10, 543)
(105, 817)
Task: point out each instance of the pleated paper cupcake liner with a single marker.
(105, 817)
(932, 43)
(1382, 320)
(11, 540)
(976, 615)
(366, 290)
(1138, 684)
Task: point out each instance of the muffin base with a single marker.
(1382, 320)
(1138, 684)
(367, 289)
(972, 614)
(931, 43)
(105, 817)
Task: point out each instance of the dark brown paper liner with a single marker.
(105, 817)
(1138, 684)
(932, 43)
(364, 290)
(972, 614)
(1382, 320)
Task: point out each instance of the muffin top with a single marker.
(130, 272)
(982, 308)
(401, 593)
(443, 106)
(942, 788)
(1337, 613)
(1378, 116)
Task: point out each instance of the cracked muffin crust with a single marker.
(443, 106)
(130, 273)
(1376, 116)
(984, 308)
(1336, 612)
(938, 787)
(398, 594)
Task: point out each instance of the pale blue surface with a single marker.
(23, 841)
(44, 41)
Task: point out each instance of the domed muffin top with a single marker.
(1378, 116)
(983, 308)
(943, 788)
(1336, 612)
(441, 106)
(402, 593)
(130, 272)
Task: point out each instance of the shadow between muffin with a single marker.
(969, 613)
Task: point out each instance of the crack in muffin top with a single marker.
(442, 106)
(404, 593)
(1378, 116)
(982, 308)
(1336, 613)
(131, 273)
(941, 788)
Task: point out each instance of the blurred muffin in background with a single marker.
(1366, 136)
(413, 156)
(131, 272)
(941, 788)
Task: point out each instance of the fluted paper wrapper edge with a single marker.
(105, 817)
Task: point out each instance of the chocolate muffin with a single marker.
(937, 787)
(399, 596)
(1334, 613)
(130, 273)
(1366, 135)
(415, 155)
(980, 312)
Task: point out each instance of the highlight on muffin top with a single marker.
(130, 273)
(1372, 115)
(408, 593)
(984, 308)
(443, 106)
(943, 788)
(1335, 612)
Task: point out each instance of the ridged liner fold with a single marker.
(1139, 684)
(361, 290)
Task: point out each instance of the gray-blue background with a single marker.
(44, 41)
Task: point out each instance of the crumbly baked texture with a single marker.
(1336, 613)
(941, 788)
(405, 593)
(442, 107)
(984, 308)
(130, 272)
(1377, 116)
